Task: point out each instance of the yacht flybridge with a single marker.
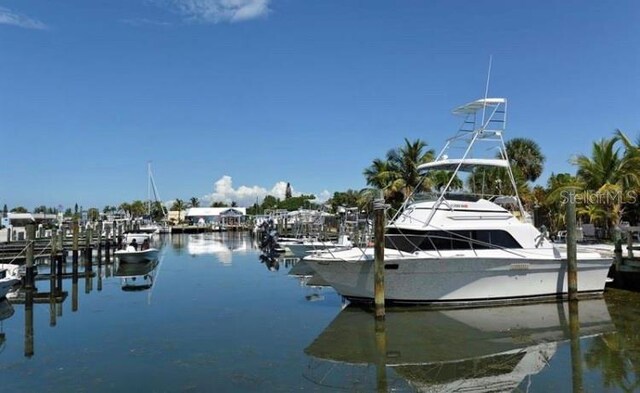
(472, 241)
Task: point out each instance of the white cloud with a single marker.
(216, 11)
(137, 22)
(324, 196)
(8, 17)
(223, 191)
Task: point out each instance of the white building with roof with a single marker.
(217, 216)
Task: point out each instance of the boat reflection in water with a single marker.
(307, 277)
(6, 311)
(222, 245)
(136, 276)
(482, 349)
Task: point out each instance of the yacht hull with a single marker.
(142, 256)
(300, 250)
(461, 281)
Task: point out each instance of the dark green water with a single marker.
(217, 318)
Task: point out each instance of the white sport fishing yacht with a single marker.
(465, 247)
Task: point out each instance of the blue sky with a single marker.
(307, 92)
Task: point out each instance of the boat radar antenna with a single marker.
(486, 89)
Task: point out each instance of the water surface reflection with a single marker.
(484, 349)
(220, 324)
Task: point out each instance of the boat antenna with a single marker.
(486, 90)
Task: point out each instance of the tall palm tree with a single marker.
(178, 205)
(607, 165)
(525, 155)
(398, 174)
(194, 202)
(556, 192)
(378, 174)
(608, 173)
(527, 162)
(404, 162)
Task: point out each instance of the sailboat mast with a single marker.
(149, 188)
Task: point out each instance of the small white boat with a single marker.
(130, 255)
(139, 237)
(306, 247)
(136, 276)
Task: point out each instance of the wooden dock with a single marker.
(627, 267)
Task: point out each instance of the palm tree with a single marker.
(138, 208)
(125, 207)
(525, 155)
(556, 192)
(405, 161)
(194, 202)
(179, 206)
(378, 174)
(607, 166)
(439, 179)
(398, 174)
(608, 172)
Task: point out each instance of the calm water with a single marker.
(213, 316)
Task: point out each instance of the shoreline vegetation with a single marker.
(606, 185)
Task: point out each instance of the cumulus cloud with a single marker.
(8, 17)
(324, 196)
(223, 191)
(216, 11)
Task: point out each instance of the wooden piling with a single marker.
(379, 214)
(53, 321)
(61, 237)
(119, 236)
(630, 244)
(28, 322)
(31, 238)
(87, 238)
(61, 261)
(576, 356)
(99, 242)
(74, 248)
(572, 264)
(381, 356)
(99, 276)
(88, 282)
(107, 250)
(88, 262)
(74, 289)
(74, 268)
(52, 277)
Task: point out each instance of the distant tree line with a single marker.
(607, 182)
